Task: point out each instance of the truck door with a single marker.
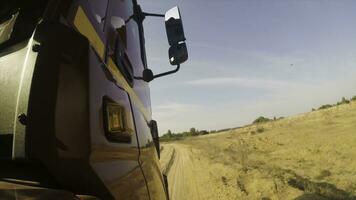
(148, 157)
(114, 152)
(126, 41)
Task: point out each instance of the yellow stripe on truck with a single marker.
(83, 25)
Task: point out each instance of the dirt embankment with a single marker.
(305, 157)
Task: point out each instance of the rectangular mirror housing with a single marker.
(174, 26)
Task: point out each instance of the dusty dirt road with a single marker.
(190, 175)
(183, 179)
(305, 157)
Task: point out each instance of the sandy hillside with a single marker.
(306, 157)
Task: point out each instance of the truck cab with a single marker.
(75, 111)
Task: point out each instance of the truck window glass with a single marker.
(99, 7)
(128, 33)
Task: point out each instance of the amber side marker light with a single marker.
(115, 123)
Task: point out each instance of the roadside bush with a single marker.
(325, 106)
(260, 130)
(261, 120)
(353, 98)
(203, 132)
(223, 130)
(169, 136)
(343, 101)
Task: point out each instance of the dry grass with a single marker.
(308, 156)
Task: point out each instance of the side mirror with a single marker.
(155, 136)
(178, 53)
(175, 33)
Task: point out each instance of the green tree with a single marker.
(169, 133)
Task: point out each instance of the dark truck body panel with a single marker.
(16, 71)
(66, 75)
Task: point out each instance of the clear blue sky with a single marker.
(249, 58)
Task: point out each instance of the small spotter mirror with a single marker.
(178, 53)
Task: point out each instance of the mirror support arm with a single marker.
(167, 73)
(152, 14)
(148, 74)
